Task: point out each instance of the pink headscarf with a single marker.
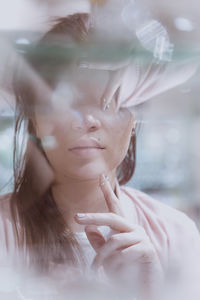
(140, 78)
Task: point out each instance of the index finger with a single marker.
(110, 197)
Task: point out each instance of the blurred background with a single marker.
(168, 126)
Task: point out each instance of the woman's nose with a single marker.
(86, 122)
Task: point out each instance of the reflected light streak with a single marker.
(184, 24)
(49, 142)
(147, 122)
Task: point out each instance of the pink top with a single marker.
(173, 235)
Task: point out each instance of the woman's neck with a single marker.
(74, 196)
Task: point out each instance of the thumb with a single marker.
(95, 237)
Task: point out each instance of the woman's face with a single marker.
(80, 139)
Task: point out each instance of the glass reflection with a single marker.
(77, 90)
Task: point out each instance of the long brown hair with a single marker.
(39, 226)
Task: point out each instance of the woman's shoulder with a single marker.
(156, 209)
(174, 235)
(169, 226)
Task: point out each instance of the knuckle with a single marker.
(115, 201)
(134, 235)
(151, 252)
(122, 254)
(143, 253)
(89, 228)
(90, 217)
(114, 239)
(148, 253)
(112, 216)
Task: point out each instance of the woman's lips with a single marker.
(87, 148)
(87, 151)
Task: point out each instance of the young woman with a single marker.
(69, 210)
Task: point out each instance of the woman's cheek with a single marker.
(120, 134)
(122, 126)
(54, 146)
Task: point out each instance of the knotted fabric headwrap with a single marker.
(126, 40)
(147, 67)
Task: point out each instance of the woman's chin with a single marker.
(90, 171)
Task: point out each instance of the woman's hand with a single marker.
(128, 254)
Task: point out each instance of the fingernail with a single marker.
(106, 107)
(80, 216)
